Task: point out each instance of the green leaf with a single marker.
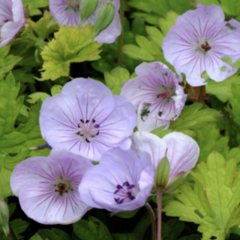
(34, 97)
(213, 201)
(16, 142)
(70, 45)
(5, 189)
(138, 232)
(44, 26)
(56, 89)
(167, 229)
(191, 237)
(7, 62)
(234, 101)
(125, 214)
(155, 35)
(137, 52)
(222, 90)
(36, 237)
(34, 5)
(194, 116)
(53, 234)
(231, 8)
(18, 226)
(209, 139)
(116, 78)
(167, 22)
(91, 230)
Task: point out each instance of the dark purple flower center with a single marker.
(88, 129)
(63, 186)
(124, 192)
(205, 46)
(6, 20)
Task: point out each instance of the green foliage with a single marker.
(56, 89)
(230, 8)
(18, 226)
(151, 12)
(209, 139)
(167, 229)
(234, 101)
(110, 53)
(223, 90)
(116, 78)
(194, 116)
(70, 45)
(91, 230)
(36, 237)
(16, 142)
(7, 62)
(44, 26)
(53, 234)
(150, 48)
(33, 6)
(213, 202)
(138, 232)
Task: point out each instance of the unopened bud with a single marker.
(87, 8)
(162, 174)
(104, 17)
(4, 217)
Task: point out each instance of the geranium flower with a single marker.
(12, 19)
(199, 40)
(87, 119)
(156, 94)
(66, 12)
(121, 182)
(182, 150)
(47, 187)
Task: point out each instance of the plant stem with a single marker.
(151, 212)
(120, 39)
(159, 203)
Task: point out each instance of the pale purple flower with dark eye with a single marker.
(87, 119)
(182, 150)
(156, 95)
(199, 40)
(12, 19)
(47, 187)
(66, 12)
(121, 182)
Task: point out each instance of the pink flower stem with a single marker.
(120, 39)
(159, 203)
(153, 218)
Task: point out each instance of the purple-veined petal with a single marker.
(102, 185)
(182, 153)
(36, 182)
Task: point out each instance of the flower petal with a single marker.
(182, 153)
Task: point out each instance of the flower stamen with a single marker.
(88, 129)
(205, 46)
(124, 192)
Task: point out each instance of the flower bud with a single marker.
(4, 217)
(104, 17)
(87, 8)
(162, 174)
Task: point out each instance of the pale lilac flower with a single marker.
(156, 95)
(199, 40)
(121, 182)
(47, 187)
(182, 150)
(12, 19)
(66, 12)
(86, 119)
